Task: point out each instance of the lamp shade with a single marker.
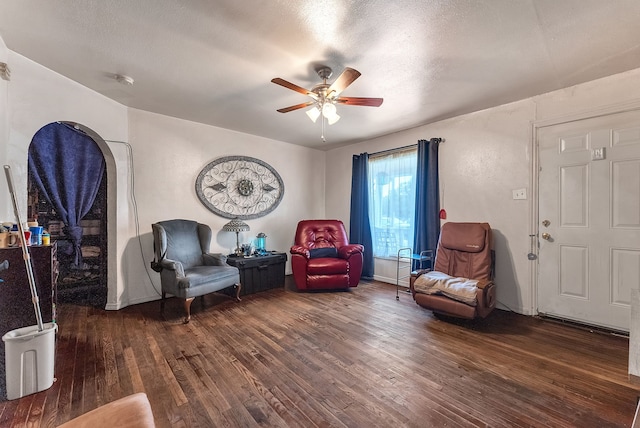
(329, 111)
(236, 225)
(313, 113)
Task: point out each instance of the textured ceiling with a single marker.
(211, 61)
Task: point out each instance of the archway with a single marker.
(86, 249)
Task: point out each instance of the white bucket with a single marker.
(29, 359)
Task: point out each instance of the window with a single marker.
(392, 194)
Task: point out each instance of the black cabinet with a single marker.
(16, 307)
(260, 273)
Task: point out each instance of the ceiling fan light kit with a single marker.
(326, 96)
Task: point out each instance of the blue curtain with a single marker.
(427, 222)
(360, 228)
(67, 166)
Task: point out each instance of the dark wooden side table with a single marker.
(260, 273)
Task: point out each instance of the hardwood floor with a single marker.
(344, 359)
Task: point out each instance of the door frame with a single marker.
(534, 227)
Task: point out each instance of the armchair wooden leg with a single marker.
(187, 308)
(238, 287)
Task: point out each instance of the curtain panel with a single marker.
(67, 166)
(359, 225)
(427, 221)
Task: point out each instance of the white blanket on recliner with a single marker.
(460, 289)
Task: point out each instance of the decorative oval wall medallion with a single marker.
(239, 187)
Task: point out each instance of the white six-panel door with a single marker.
(589, 212)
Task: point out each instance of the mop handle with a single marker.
(25, 250)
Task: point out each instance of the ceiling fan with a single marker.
(325, 96)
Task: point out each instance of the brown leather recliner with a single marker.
(322, 258)
(132, 411)
(461, 282)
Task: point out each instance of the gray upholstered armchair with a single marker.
(187, 269)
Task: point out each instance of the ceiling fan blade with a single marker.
(345, 79)
(295, 107)
(294, 87)
(359, 101)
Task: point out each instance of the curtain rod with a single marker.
(438, 140)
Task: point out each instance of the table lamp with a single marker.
(236, 226)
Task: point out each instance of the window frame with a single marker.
(394, 209)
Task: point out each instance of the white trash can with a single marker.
(29, 359)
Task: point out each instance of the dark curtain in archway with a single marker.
(67, 166)
(427, 221)
(360, 227)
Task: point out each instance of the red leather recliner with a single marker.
(322, 258)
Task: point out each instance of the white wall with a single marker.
(169, 154)
(38, 96)
(486, 155)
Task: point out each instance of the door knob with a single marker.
(546, 236)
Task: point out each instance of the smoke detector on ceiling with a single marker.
(124, 79)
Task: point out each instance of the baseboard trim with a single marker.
(583, 325)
